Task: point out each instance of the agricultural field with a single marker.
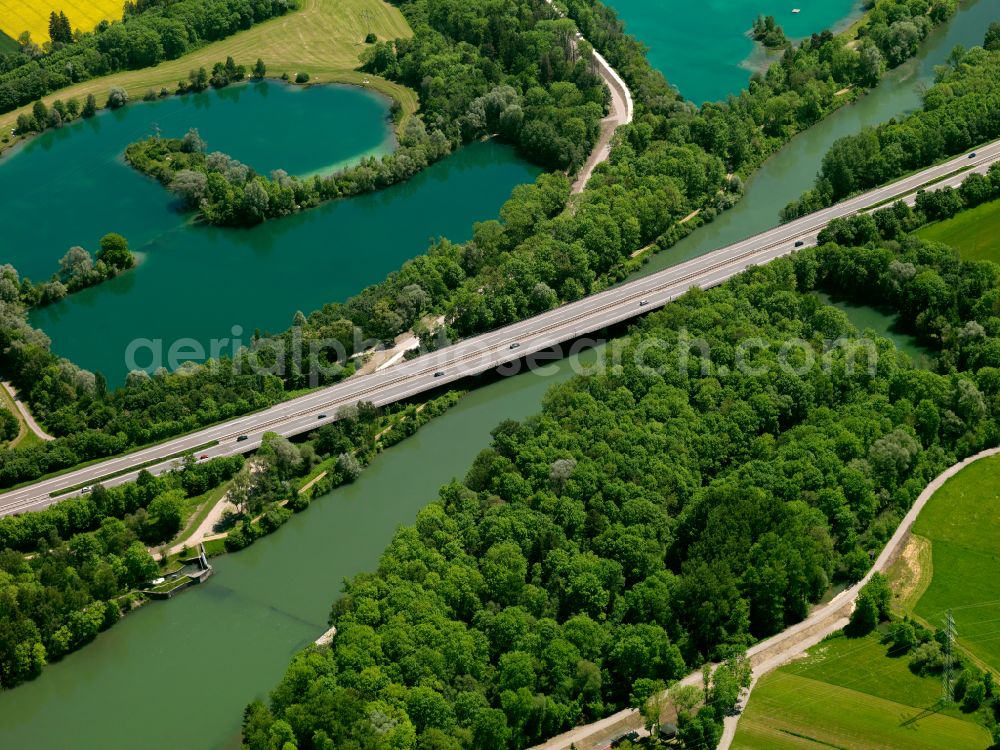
(18, 16)
(962, 524)
(324, 39)
(974, 233)
(849, 694)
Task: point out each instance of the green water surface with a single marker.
(884, 323)
(198, 283)
(178, 675)
(704, 49)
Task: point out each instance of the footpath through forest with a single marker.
(771, 653)
(620, 113)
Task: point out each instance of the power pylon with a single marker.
(947, 693)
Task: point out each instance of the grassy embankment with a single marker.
(974, 233)
(324, 39)
(849, 694)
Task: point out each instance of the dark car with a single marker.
(515, 345)
(241, 438)
(799, 243)
(630, 737)
(439, 374)
(972, 155)
(321, 416)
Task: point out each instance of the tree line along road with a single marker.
(487, 351)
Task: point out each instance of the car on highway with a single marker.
(643, 303)
(86, 490)
(515, 345)
(799, 243)
(203, 457)
(439, 374)
(321, 416)
(241, 438)
(972, 155)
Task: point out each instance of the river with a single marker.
(201, 283)
(179, 674)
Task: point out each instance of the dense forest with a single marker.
(152, 31)
(958, 113)
(673, 160)
(695, 497)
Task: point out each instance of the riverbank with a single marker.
(323, 39)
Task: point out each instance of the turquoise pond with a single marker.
(201, 283)
(703, 47)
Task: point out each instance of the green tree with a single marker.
(117, 98)
(139, 564)
(115, 252)
(646, 697)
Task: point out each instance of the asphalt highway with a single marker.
(487, 351)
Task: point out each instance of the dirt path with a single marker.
(779, 649)
(205, 530)
(621, 112)
(26, 417)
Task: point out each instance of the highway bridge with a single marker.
(490, 350)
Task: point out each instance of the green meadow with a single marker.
(848, 694)
(974, 233)
(962, 523)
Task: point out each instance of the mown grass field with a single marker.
(324, 39)
(962, 522)
(974, 233)
(18, 16)
(847, 694)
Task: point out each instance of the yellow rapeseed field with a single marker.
(18, 16)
